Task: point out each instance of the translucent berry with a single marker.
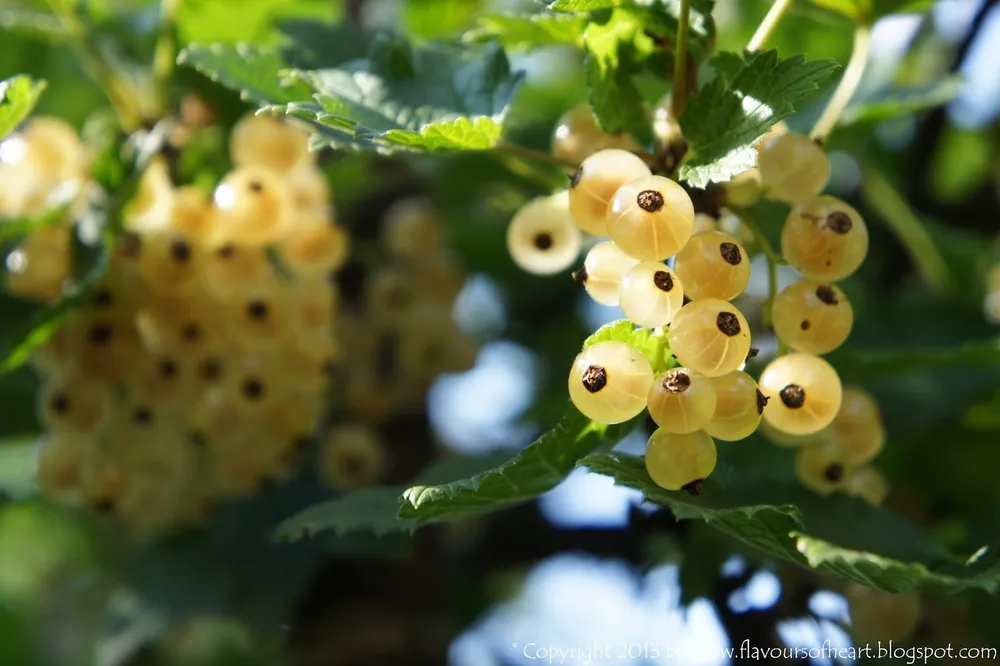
(151, 208)
(105, 345)
(609, 382)
(824, 239)
(38, 268)
(650, 218)
(351, 458)
(595, 183)
(262, 140)
(793, 167)
(191, 214)
(411, 230)
(74, 404)
(681, 401)
(163, 379)
(881, 616)
(310, 361)
(743, 190)
(310, 191)
(704, 222)
(804, 391)
(650, 294)
(603, 270)
(713, 265)
(676, 462)
(542, 238)
(577, 136)
(46, 150)
(867, 483)
(230, 269)
(170, 263)
(858, 425)
(823, 468)
(258, 319)
(314, 248)
(812, 317)
(739, 406)
(253, 206)
(185, 327)
(666, 129)
(710, 336)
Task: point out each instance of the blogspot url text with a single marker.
(904, 654)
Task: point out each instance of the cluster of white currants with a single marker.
(650, 218)
(199, 368)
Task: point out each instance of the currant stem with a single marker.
(679, 95)
(535, 155)
(767, 26)
(165, 55)
(847, 86)
(883, 198)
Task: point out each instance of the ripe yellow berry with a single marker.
(314, 248)
(881, 616)
(191, 214)
(351, 458)
(713, 265)
(793, 167)
(577, 136)
(38, 268)
(676, 462)
(185, 327)
(743, 190)
(543, 238)
(609, 382)
(824, 239)
(710, 336)
(867, 483)
(681, 401)
(650, 218)
(411, 230)
(170, 263)
(105, 345)
(253, 206)
(74, 404)
(804, 392)
(738, 407)
(595, 183)
(812, 317)
(258, 319)
(822, 468)
(262, 140)
(231, 269)
(46, 151)
(310, 191)
(650, 294)
(603, 270)
(858, 426)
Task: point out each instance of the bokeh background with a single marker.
(588, 564)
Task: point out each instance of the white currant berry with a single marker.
(744, 189)
(543, 238)
(676, 461)
(713, 265)
(793, 167)
(739, 405)
(603, 270)
(650, 218)
(812, 317)
(710, 336)
(822, 468)
(824, 239)
(351, 457)
(867, 483)
(609, 382)
(858, 425)
(681, 401)
(650, 294)
(595, 183)
(262, 140)
(804, 392)
(577, 136)
(881, 616)
(253, 206)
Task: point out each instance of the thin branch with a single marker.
(678, 96)
(890, 206)
(847, 86)
(767, 26)
(773, 258)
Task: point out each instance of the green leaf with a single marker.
(653, 345)
(582, 5)
(376, 509)
(868, 11)
(18, 96)
(537, 469)
(733, 111)
(405, 97)
(902, 101)
(615, 51)
(313, 44)
(232, 21)
(862, 365)
(839, 535)
(255, 71)
(528, 31)
(34, 24)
